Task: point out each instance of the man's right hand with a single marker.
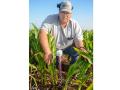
(48, 57)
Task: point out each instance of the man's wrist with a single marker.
(48, 51)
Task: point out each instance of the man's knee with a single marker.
(72, 53)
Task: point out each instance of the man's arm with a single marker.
(78, 40)
(44, 41)
(45, 45)
(79, 43)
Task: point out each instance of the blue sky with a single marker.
(82, 12)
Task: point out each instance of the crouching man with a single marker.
(66, 31)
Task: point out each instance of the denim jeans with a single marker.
(72, 54)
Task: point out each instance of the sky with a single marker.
(82, 12)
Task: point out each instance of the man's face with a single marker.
(64, 17)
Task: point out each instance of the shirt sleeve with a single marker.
(46, 25)
(78, 32)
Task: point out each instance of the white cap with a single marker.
(66, 6)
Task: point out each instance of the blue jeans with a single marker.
(72, 54)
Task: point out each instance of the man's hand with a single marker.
(48, 57)
(79, 44)
(83, 49)
(64, 59)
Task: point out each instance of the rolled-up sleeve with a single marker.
(46, 26)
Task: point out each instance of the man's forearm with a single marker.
(79, 43)
(44, 41)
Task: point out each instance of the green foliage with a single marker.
(36, 58)
(90, 87)
(41, 73)
(85, 61)
(88, 40)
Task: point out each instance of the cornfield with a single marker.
(46, 77)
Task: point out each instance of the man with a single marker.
(66, 31)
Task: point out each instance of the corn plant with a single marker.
(36, 58)
(41, 74)
(52, 67)
(81, 66)
(90, 87)
(32, 78)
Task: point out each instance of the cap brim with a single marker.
(66, 10)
